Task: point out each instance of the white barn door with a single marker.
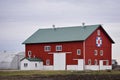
(80, 64)
(59, 61)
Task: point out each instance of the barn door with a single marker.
(59, 61)
(80, 64)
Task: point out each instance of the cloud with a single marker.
(62, 10)
(20, 18)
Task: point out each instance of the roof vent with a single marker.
(54, 27)
(83, 24)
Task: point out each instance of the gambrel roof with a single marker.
(63, 34)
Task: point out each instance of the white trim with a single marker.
(50, 67)
(98, 32)
(101, 52)
(58, 47)
(29, 53)
(78, 51)
(47, 48)
(59, 52)
(25, 65)
(89, 61)
(92, 67)
(84, 55)
(104, 67)
(72, 67)
(47, 61)
(95, 62)
(95, 52)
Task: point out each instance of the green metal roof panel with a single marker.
(76, 33)
(32, 59)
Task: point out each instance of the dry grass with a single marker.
(48, 73)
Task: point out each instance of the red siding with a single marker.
(38, 51)
(90, 44)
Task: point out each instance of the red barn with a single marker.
(87, 47)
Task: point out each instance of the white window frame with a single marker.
(25, 64)
(59, 48)
(48, 62)
(36, 64)
(89, 61)
(29, 53)
(98, 32)
(47, 48)
(95, 62)
(101, 52)
(78, 51)
(95, 52)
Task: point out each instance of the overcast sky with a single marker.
(21, 18)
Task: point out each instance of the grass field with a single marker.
(49, 73)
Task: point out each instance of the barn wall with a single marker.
(50, 67)
(72, 67)
(38, 51)
(106, 67)
(92, 67)
(90, 44)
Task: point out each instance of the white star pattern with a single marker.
(98, 41)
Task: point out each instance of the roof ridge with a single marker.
(69, 27)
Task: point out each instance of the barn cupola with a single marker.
(53, 27)
(83, 24)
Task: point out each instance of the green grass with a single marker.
(49, 73)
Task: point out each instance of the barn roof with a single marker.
(63, 34)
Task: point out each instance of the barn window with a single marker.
(47, 48)
(29, 54)
(48, 62)
(89, 61)
(98, 32)
(78, 51)
(25, 64)
(95, 62)
(95, 52)
(101, 52)
(59, 48)
(35, 64)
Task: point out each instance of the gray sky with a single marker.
(21, 18)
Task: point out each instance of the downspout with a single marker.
(84, 55)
